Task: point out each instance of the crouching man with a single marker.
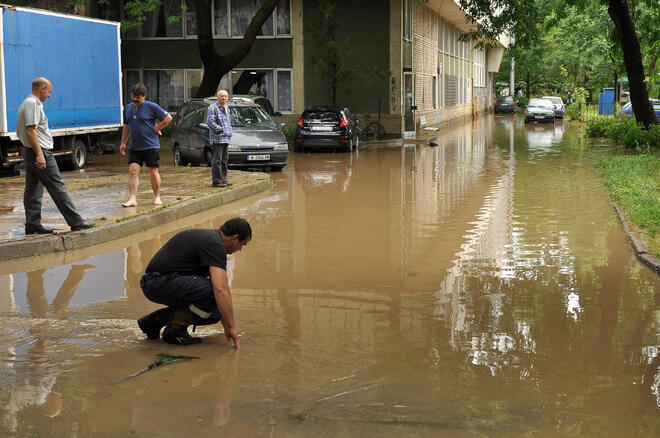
(189, 276)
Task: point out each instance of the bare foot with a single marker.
(157, 201)
(130, 203)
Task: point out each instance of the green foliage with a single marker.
(289, 132)
(522, 101)
(572, 112)
(625, 132)
(634, 183)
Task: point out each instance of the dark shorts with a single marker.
(150, 157)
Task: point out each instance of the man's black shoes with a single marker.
(85, 225)
(37, 229)
(179, 336)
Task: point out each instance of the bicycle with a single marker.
(373, 131)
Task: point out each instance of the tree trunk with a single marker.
(216, 66)
(527, 85)
(632, 57)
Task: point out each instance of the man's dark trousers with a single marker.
(219, 162)
(176, 290)
(35, 181)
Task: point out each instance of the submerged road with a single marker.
(483, 287)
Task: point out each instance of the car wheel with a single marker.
(177, 157)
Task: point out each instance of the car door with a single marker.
(184, 137)
(199, 137)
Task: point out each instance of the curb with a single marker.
(639, 246)
(17, 249)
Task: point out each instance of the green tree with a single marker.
(512, 16)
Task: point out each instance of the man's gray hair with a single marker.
(222, 91)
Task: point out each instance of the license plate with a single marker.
(540, 117)
(258, 157)
(321, 128)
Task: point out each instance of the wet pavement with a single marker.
(98, 192)
(483, 287)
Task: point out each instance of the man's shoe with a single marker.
(85, 225)
(152, 323)
(220, 185)
(228, 184)
(37, 229)
(179, 336)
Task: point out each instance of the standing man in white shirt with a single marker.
(40, 166)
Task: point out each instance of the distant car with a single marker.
(558, 104)
(505, 104)
(257, 141)
(626, 110)
(324, 127)
(539, 110)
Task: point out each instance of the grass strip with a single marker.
(634, 183)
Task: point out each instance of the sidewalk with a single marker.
(98, 193)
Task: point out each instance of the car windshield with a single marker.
(545, 103)
(322, 116)
(555, 100)
(507, 99)
(250, 116)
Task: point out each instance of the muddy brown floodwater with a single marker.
(479, 288)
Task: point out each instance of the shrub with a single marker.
(572, 112)
(625, 132)
(522, 101)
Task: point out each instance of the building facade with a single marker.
(402, 62)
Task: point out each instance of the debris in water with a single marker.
(164, 359)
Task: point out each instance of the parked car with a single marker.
(323, 127)
(505, 104)
(265, 103)
(539, 110)
(257, 141)
(626, 110)
(558, 104)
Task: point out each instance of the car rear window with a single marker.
(507, 99)
(555, 100)
(322, 116)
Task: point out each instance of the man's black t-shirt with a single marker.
(190, 252)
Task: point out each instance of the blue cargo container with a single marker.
(81, 58)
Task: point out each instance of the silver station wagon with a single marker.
(256, 142)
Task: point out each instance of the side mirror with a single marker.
(357, 121)
(282, 126)
(277, 114)
(203, 126)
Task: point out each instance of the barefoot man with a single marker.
(143, 121)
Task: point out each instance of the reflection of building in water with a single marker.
(494, 264)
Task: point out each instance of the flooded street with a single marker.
(483, 287)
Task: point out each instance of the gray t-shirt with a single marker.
(31, 112)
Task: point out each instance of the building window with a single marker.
(156, 23)
(283, 103)
(479, 68)
(407, 19)
(441, 34)
(440, 82)
(230, 17)
(164, 87)
(242, 12)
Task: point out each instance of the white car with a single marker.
(558, 103)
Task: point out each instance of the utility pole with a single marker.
(512, 74)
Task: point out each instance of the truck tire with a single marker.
(78, 159)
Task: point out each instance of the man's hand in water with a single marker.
(232, 334)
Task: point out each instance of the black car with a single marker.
(256, 141)
(325, 127)
(505, 104)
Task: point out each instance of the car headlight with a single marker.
(233, 148)
(281, 147)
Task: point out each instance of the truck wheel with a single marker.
(177, 157)
(78, 159)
